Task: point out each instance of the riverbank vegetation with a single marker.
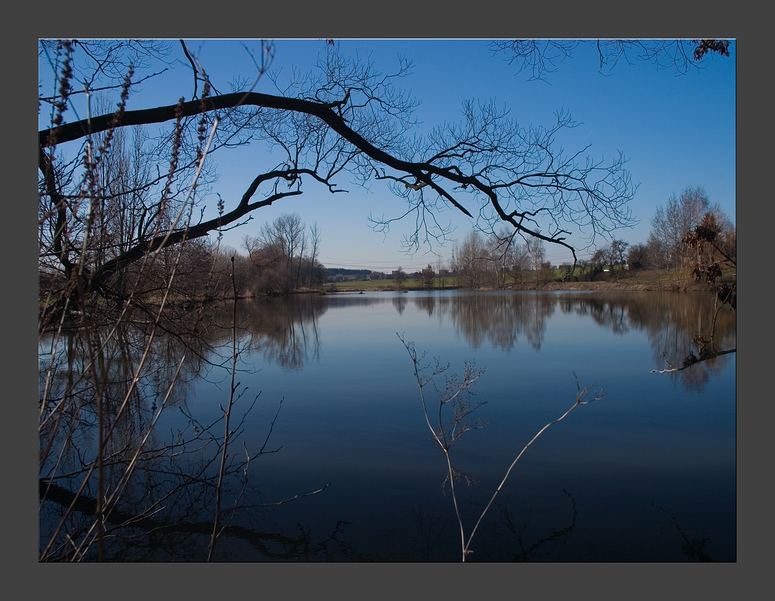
(692, 246)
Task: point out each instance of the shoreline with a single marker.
(548, 287)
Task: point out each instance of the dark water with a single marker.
(646, 473)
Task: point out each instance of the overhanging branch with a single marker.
(427, 174)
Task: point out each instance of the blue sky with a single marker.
(677, 131)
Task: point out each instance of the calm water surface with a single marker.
(647, 473)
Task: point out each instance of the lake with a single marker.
(343, 463)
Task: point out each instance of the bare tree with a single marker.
(614, 254)
(637, 256)
(314, 234)
(619, 251)
(400, 277)
(440, 272)
(537, 252)
(500, 249)
(670, 224)
(496, 260)
(278, 254)
(427, 275)
(471, 261)
(598, 258)
(344, 117)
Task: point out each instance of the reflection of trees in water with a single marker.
(160, 536)
(156, 489)
(165, 506)
(692, 548)
(128, 372)
(426, 304)
(506, 539)
(428, 533)
(400, 302)
(122, 377)
(685, 317)
(607, 312)
(671, 321)
(501, 318)
(284, 330)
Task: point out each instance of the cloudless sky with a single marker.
(677, 131)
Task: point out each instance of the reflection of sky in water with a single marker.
(352, 417)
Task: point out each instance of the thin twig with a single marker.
(453, 390)
(227, 418)
(580, 400)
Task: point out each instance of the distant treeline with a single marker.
(341, 271)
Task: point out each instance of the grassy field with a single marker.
(388, 284)
(640, 279)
